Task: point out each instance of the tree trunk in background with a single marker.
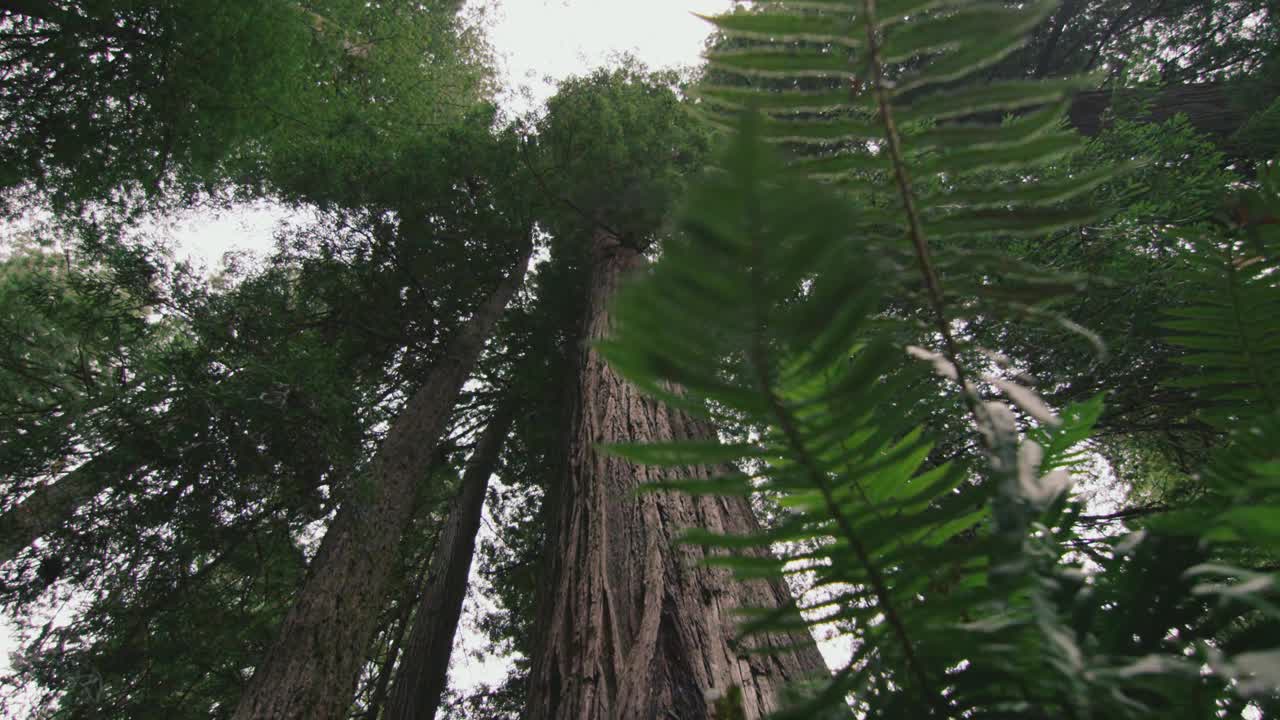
(378, 698)
(631, 627)
(47, 507)
(311, 671)
(420, 681)
(1209, 108)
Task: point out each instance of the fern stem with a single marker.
(1003, 454)
(878, 583)
(915, 228)
(1001, 449)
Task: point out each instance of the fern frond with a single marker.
(884, 99)
(1231, 328)
(839, 451)
(1230, 335)
(784, 304)
(793, 279)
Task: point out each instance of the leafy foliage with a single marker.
(117, 101)
(75, 339)
(612, 147)
(209, 471)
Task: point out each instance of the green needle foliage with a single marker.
(127, 102)
(789, 306)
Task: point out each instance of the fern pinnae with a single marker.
(794, 327)
(817, 476)
(1226, 333)
(914, 225)
(877, 580)
(1001, 443)
(1261, 376)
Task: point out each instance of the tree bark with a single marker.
(312, 669)
(420, 681)
(1208, 108)
(631, 627)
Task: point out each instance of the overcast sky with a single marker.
(558, 38)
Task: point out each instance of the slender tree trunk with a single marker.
(420, 681)
(49, 505)
(631, 626)
(311, 671)
(46, 508)
(378, 698)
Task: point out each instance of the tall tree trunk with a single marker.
(631, 626)
(420, 681)
(311, 671)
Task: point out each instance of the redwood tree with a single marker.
(631, 624)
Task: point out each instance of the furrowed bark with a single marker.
(632, 627)
(311, 671)
(420, 681)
